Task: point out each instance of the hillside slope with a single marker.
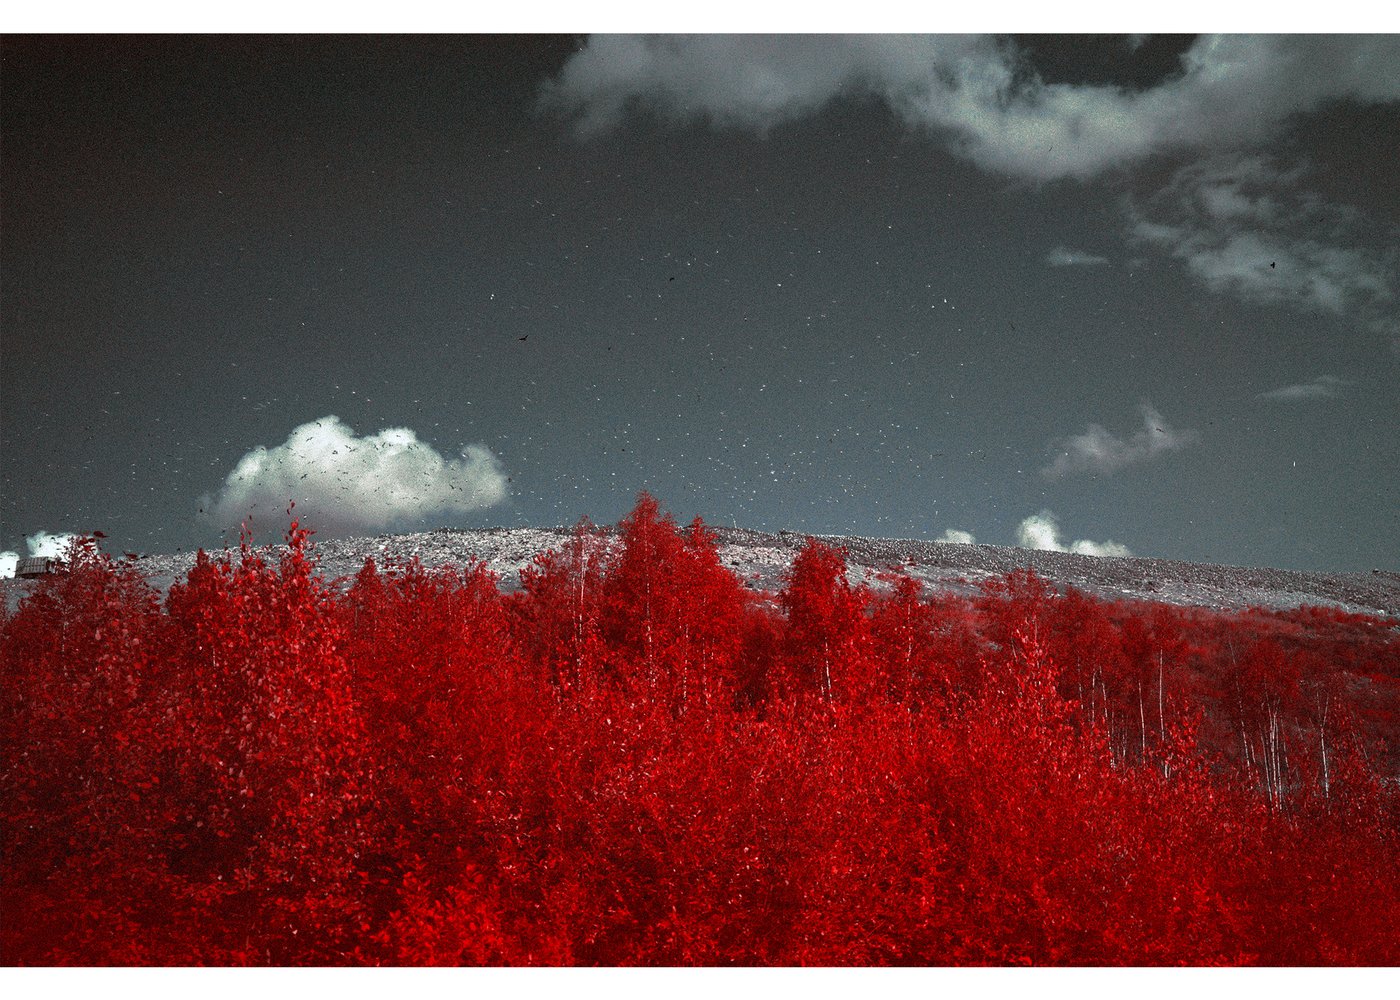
(762, 558)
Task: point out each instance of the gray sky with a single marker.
(1048, 291)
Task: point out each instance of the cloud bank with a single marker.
(978, 94)
(1099, 451)
(343, 483)
(1042, 531)
(1322, 387)
(41, 543)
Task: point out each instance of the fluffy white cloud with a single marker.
(54, 545)
(1066, 257)
(977, 93)
(1322, 387)
(1042, 531)
(342, 482)
(1099, 450)
(41, 543)
(957, 537)
(1244, 226)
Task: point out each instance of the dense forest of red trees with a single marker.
(637, 759)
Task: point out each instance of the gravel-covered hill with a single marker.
(761, 559)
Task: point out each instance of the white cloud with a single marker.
(1322, 387)
(1066, 257)
(1042, 531)
(977, 93)
(41, 543)
(1244, 226)
(979, 97)
(957, 537)
(343, 483)
(1039, 531)
(1098, 450)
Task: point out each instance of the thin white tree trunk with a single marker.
(1142, 722)
(1322, 736)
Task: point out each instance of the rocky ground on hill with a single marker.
(762, 558)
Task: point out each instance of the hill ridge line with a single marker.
(762, 557)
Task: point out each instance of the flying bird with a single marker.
(524, 338)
